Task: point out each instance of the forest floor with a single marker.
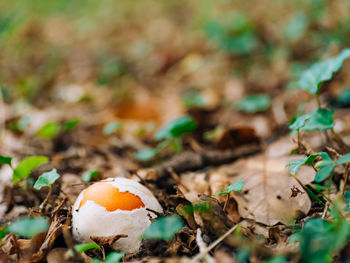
(188, 99)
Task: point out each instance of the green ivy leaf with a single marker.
(236, 186)
(46, 179)
(320, 119)
(294, 166)
(88, 175)
(322, 71)
(5, 160)
(146, 155)
(319, 239)
(50, 130)
(176, 128)
(114, 257)
(112, 127)
(28, 227)
(326, 160)
(344, 159)
(323, 173)
(26, 166)
(164, 228)
(254, 103)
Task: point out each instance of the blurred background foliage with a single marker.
(191, 46)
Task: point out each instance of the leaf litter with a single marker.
(202, 119)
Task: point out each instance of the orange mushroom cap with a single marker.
(108, 196)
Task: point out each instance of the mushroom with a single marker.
(116, 206)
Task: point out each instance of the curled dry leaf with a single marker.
(107, 241)
(266, 193)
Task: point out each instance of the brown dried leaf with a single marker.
(107, 241)
(266, 193)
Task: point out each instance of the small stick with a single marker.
(202, 246)
(46, 200)
(214, 244)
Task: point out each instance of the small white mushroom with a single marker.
(113, 207)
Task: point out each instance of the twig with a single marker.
(214, 244)
(324, 214)
(202, 246)
(43, 204)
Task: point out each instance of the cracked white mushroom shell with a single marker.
(112, 207)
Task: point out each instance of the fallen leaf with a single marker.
(107, 241)
(266, 193)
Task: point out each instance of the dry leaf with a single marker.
(266, 193)
(107, 241)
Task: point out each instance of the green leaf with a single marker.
(294, 166)
(50, 130)
(323, 173)
(254, 103)
(46, 179)
(26, 166)
(236, 186)
(112, 127)
(114, 257)
(146, 155)
(320, 119)
(344, 159)
(164, 228)
(347, 201)
(326, 160)
(88, 175)
(71, 124)
(319, 239)
(28, 227)
(84, 247)
(322, 71)
(5, 160)
(176, 128)
(296, 27)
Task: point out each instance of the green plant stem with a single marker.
(299, 142)
(318, 101)
(226, 202)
